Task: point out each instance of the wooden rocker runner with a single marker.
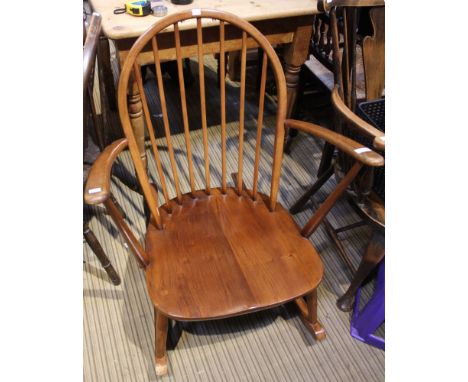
(221, 251)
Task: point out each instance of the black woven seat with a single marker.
(374, 113)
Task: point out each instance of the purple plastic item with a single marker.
(367, 321)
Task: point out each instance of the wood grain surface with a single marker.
(374, 55)
(255, 258)
(125, 26)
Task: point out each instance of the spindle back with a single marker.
(373, 52)
(344, 58)
(321, 41)
(246, 36)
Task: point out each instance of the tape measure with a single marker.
(135, 8)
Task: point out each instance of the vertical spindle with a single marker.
(241, 112)
(201, 75)
(183, 102)
(162, 96)
(222, 90)
(261, 104)
(149, 126)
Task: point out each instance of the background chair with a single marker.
(367, 194)
(90, 151)
(366, 321)
(92, 132)
(317, 73)
(218, 251)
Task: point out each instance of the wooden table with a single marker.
(281, 21)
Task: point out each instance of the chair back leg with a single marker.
(160, 355)
(375, 252)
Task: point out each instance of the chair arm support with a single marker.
(361, 125)
(352, 148)
(127, 233)
(97, 189)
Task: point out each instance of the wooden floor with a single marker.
(267, 346)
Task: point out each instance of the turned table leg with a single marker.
(135, 111)
(295, 55)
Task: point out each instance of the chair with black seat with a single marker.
(218, 251)
(367, 194)
(317, 73)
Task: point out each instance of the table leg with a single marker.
(295, 55)
(135, 112)
(233, 65)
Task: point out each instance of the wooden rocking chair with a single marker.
(220, 251)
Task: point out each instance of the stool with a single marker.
(365, 322)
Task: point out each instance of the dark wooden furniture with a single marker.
(321, 43)
(319, 65)
(368, 203)
(91, 36)
(221, 251)
(317, 73)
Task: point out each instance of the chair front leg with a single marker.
(374, 254)
(100, 254)
(160, 355)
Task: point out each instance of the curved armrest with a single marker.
(361, 125)
(97, 188)
(354, 149)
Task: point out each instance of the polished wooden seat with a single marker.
(237, 255)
